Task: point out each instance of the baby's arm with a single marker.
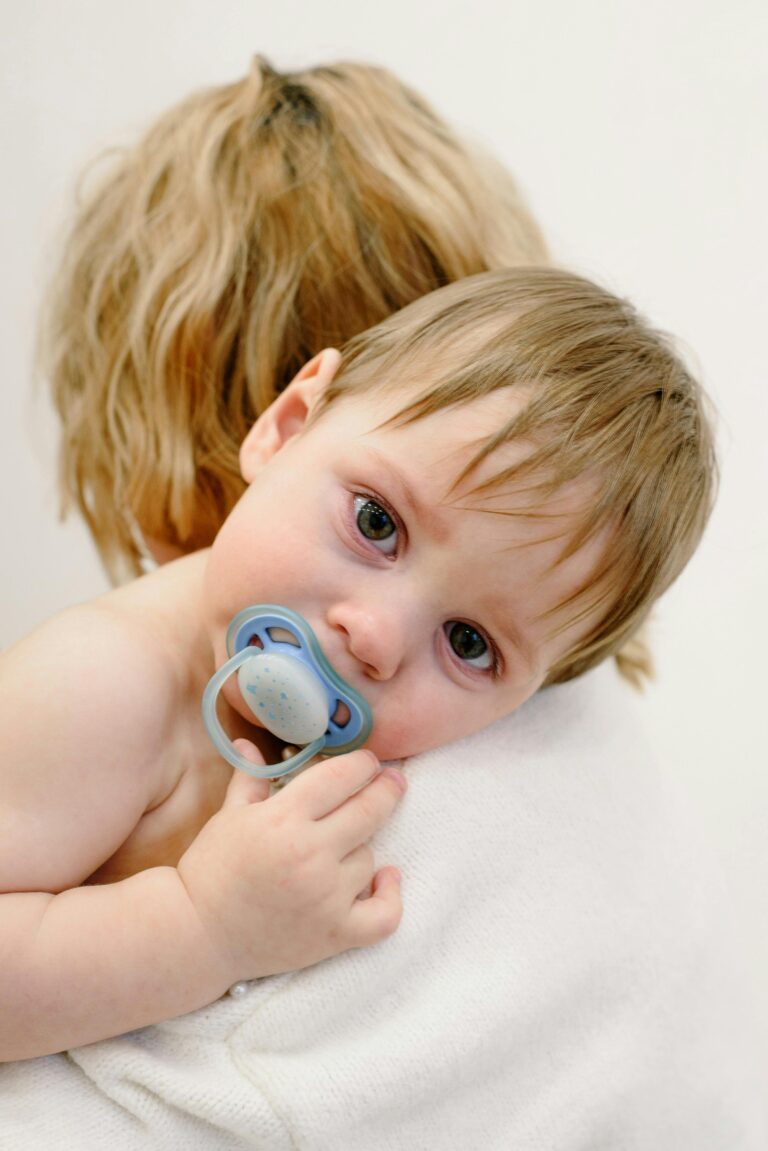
(266, 886)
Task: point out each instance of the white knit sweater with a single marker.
(563, 980)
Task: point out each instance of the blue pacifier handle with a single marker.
(292, 689)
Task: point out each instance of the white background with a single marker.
(639, 134)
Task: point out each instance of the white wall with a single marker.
(638, 131)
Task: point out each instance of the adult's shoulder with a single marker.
(559, 978)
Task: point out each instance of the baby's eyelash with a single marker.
(368, 496)
(496, 668)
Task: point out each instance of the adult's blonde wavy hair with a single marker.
(607, 398)
(253, 225)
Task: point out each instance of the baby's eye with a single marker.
(376, 524)
(469, 645)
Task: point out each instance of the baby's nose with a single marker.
(372, 635)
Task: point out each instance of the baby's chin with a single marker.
(392, 742)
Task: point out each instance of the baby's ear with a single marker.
(286, 416)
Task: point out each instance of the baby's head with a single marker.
(484, 494)
(253, 224)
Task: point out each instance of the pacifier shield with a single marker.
(287, 682)
(285, 696)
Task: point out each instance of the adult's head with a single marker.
(252, 225)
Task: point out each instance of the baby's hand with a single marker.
(276, 882)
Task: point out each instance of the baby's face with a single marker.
(430, 603)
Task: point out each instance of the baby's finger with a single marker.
(365, 812)
(244, 789)
(374, 919)
(327, 784)
(357, 871)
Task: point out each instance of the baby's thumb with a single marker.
(244, 789)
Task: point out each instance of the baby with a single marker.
(480, 496)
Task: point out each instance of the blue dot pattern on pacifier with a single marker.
(285, 695)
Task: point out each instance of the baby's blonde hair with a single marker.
(253, 225)
(607, 398)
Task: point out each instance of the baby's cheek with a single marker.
(398, 735)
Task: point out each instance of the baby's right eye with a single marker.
(376, 524)
(469, 645)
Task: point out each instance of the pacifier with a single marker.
(291, 688)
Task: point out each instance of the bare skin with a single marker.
(126, 847)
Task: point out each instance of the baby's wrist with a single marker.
(216, 968)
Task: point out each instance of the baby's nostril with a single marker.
(341, 715)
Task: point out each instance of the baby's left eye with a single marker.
(469, 645)
(376, 524)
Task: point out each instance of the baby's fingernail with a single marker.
(248, 751)
(397, 777)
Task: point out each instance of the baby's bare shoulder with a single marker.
(86, 706)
